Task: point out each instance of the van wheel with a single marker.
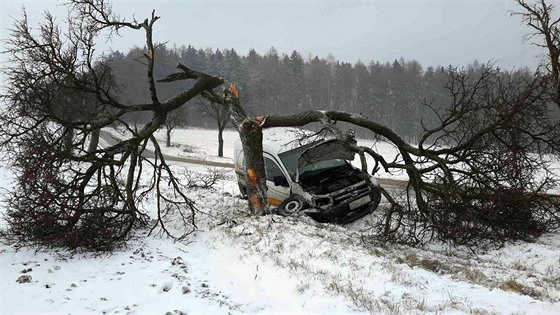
(292, 205)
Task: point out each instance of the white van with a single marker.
(306, 173)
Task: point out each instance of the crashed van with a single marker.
(312, 175)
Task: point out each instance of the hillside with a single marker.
(235, 263)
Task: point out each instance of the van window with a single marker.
(272, 170)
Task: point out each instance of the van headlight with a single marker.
(323, 202)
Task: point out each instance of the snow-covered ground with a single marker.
(236, 263)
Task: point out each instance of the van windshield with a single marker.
(290, 161)
(314, 169)
(290, 158)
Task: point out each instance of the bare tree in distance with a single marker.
(222, 117)
(177, 118)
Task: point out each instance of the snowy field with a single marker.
(203, 144)
(269, 265)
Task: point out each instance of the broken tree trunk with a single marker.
(250, 133)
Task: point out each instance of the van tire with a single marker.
(292, 205)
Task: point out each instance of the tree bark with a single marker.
(220, 140)
(250, 133)
(68, 138)
(251, 139)
(168, 136)
(94, 141)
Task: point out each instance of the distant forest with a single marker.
(391, 93)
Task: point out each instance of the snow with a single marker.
(202, 144)
(236, 263)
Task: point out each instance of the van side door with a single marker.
(276, 181)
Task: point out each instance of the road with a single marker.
(105, 135)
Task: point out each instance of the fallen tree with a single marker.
(70, 192)
(483, 173)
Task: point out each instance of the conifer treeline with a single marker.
(389, 93)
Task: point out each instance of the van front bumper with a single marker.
(351, 210)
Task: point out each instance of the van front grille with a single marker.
(355, 191)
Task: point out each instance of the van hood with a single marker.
(325, 150)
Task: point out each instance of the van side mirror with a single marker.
(280, 181)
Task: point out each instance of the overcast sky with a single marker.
(433, 32)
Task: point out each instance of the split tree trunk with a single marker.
(250, 133)
(251, 139)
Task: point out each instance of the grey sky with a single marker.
(433, 32)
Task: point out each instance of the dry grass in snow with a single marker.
(236, 263)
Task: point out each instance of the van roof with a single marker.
(282, 139)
